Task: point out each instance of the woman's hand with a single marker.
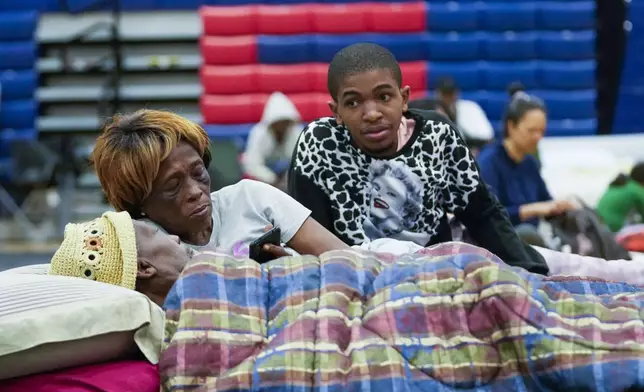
(545, 209)
(275, 250)
(313, 239)
(541, 209)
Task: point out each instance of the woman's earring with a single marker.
(143, 214)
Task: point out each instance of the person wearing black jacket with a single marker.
(379, 170)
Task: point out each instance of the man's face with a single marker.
(371, 105)
(165, 252)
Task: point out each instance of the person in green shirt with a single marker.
(624, 196)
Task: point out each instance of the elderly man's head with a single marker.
(115, 249)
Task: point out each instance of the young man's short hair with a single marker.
(359, 58)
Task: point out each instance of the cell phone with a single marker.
(257, 252)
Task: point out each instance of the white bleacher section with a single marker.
(151, 40)
(149, 26)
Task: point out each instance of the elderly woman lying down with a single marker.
(451, 316)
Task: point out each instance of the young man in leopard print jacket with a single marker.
(378, 170)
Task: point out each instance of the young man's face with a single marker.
(371, 106)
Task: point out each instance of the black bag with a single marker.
(584, 234)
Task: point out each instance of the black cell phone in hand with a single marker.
(256, 249)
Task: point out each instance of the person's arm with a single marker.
(254, 158)
(489, 174)
(542, 188)
(517, 213)
(489, 225)
(540, 209)
(306, 192)
(481, 213)
(313, 239)
(299, 230)
(544, 206)
(638, 198)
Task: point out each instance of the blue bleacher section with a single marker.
(18, 80)
(631, 94)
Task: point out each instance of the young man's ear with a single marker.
(404, 92)
(145, 270)
(334, 109)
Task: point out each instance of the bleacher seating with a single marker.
(631, 93)
(18, 81)
(252, 49)
(78, 5)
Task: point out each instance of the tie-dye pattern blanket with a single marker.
(449, 318)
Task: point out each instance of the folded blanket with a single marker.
(452, 317)
(628, 271)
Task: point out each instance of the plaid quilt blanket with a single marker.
(449, 318)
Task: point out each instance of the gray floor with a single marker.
(13, 260)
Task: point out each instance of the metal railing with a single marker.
(109, 102)
(112, 61)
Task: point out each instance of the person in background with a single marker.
(468, 115)
(271, 142)
(624, 196)
(439, 106)
(429, 104)
(512, 172)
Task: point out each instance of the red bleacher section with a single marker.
(314, 18)
(237, 94)
(287, 78)
(236, 87)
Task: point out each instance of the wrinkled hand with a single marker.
(275, 250)
(553, 207)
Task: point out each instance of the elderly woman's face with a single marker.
(180, 197)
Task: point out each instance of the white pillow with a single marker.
(37, 269)
(54, 322)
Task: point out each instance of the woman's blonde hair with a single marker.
(129, 151)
